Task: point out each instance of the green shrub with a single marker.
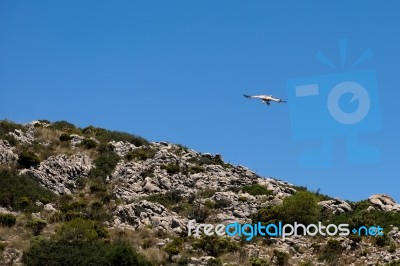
(65, 137)
(7, 220)
(382, 241)
(5, 128)
(62, 252)
(355, 239)
(183, 261)
(16, 189)
(78, 230)
(97, 205)
(254, 261)
(88, 144)
(105, 163)
(106, 136)
(26, 159)
(209, 204)
(206, 193)
(171, 168)
(216, 246)
(360, 217)
(256, 189)
(393, 263)
(80, 182)
(206, 159)
(98, 187)
(167, 199)
(196, 169)
(37, 226)
(214, 262)
(332, 251)
(243, 199)
(392, 247)
(65, 126)
(199, 213)
(142, 154)
(122, 253)
(222, 203)
(174, 247)
(104, 148)
(23, 202)
(301, 208)
(281, 257)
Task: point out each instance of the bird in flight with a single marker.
(265, 98)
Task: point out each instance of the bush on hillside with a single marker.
(171, 168)
(15, 189)
(26, 159)
(66, 127)
(7, 220)
(37, 226)
(167, 199)
(216, 246)
(106, 136)
(142, 154)
(281, 257)
(105, 164)
(332, 251)
(62, 252)
(88, 144)
(5, 128)
(302, 208)
(256, 189)
(65, 137)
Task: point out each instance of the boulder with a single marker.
(6, 152)
(26, 137)
(384, 202)
(335, 206)
(59, 173)
(122, 148)
(148, 213)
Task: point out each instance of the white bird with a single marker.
(265, 98)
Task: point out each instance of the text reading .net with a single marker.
(279, 230)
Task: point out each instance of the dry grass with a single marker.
(18, 236)
(47, 135)
(155, 255)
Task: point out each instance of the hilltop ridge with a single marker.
(56, 177)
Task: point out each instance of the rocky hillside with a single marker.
(91, 196)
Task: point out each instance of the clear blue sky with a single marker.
(176, 71)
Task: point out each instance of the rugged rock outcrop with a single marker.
(122, 148)
(335, 206)
(76, 140)
(384, 202)
(59, 173)
(6, 152)
(208, 190)
(147, 213)
(138, 178)
(25, 137)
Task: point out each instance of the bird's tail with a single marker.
(247, 96)
(283, 101)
